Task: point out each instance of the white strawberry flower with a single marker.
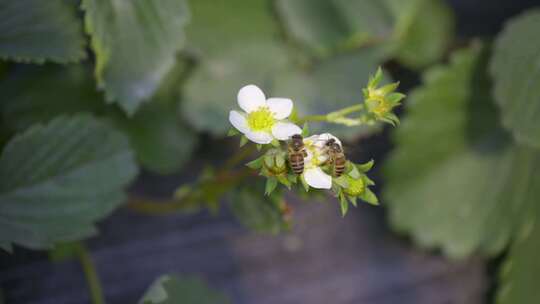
(316, 157)
(264, 119)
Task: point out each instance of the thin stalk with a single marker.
(92, 278)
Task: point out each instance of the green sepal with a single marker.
(271, 184)
(369, 197)
(304, 183)
(353, 201)
(280, 160)
(293, 178)
(259, 147)
(365, 167)
(269, 160)
(275, 143)
(375, 80)
(389, 88)
(344, 205)
(283, 180)
(256, 163)
(305, 130)
(243, 141)
(354, 172)
(341, 181)
(395, 98)
(232, 132)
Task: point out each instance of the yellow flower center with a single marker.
(356, 186)
(261, 119)
(317, 157)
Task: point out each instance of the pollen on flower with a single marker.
(379, 106)
(356, 186)
(261, 120)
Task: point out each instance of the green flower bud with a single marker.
(274, 162)
(355, 186)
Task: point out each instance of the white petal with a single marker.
(284, 130)
(239, 121)
(316, 178)
(281, 107)
(250, 98)
(259, 137)
(327, 136)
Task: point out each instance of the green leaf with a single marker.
(369, 197)
(366, 167)
(163, 144)
(326, 26)
(271, 184)
(331, 85)
(229, 37)
(210, 92)
(456, 181)
(256, 163)
(417, 32)
(258, 212)
(31, 94)
(6, 247)
(519, 274)
(344, 204)
(516, 76)
(423, 31)
(135, 43)
(58, 179)
(173, 289)
(36, 31)
(244, 140)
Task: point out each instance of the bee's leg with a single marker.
(304, 152)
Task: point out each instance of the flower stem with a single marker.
(90, 274)
(332, 116)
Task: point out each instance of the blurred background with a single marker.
(320, 53)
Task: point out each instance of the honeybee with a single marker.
(297, 153)
(336, 157)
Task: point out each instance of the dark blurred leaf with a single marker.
(35, 94)
(210, 93)
(417, 32)
(135, 44)
(257, 211)
(324, 26)
(218, 25)
(237, 42)
(163, 144)
(519, 274)
(456, 180)
(516, 72)
(423, 30)
(331, 85)
(172, 289)
(36, 30)
(56, 180)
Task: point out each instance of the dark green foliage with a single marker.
(57, 179)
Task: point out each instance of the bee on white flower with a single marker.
(264, 119)
(317, 156)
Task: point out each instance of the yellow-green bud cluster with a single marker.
(380, 101)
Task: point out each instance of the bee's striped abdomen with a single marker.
(339, 165)
(296, 160)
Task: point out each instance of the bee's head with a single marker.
(297, 140)
(330, 142)
(335, 147)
